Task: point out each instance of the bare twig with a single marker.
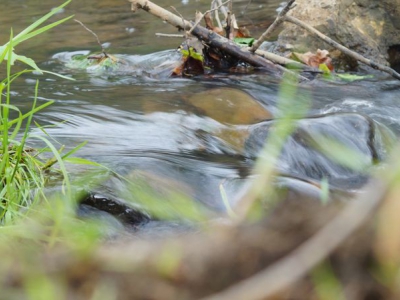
(223, 9)
(342, 48)
(230, 7)
(182, 18)
(228, 22)
(170, 35)
(216, 15)
(279, 19)
(208, 11)
(95, 35)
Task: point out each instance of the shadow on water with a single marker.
(197, 133)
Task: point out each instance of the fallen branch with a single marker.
(209, 37)
(342, 48)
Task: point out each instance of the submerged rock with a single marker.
(339, 147)
(229, 106)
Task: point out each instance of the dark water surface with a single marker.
(177, 130)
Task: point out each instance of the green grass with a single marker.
(23, 173)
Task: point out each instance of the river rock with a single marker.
(369, 27)
(229, 106)
(320, 144)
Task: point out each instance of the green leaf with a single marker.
(81, 161)
(28, 61)
(244, 41)
(353, 77)
(74, 150)
(326, 72)
(192, 54)
(33, 111)
(3, 52)
(58, 75)
(13, 57)
(60, 161)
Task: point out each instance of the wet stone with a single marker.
(307, 152)
(229, 106)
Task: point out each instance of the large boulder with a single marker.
(369, 27)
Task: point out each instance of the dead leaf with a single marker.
(210, 24)
(179, 69)
(243, 32)
(314, 59)
(209, 21)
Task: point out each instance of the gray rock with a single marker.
(369, 27)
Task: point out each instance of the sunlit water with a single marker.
(134, 121)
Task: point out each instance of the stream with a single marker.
(189, 135)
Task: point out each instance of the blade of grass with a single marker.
(60, 162)
(27, 126)
(39, 22)
(24, 116)
(82, 161)
(225, 200)
(40, 30)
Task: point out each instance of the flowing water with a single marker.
(189, 134)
